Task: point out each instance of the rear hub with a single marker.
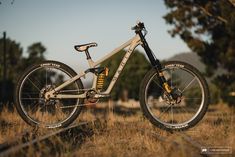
(42, 93)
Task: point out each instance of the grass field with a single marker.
(130, 134)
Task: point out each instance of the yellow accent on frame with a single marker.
(167, 87)
(106, 71)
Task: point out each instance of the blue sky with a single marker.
(60, 24)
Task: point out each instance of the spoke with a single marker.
(34, 84)
(57, 118)
(185, 110)
(63, 115)
(47, 113)
(188, 84)
(192, 98)
(171, 78)
(58, 109)
(34, 107)
(46, 76)
(157, 84)
(164, 111)
(38, 82)
(172, 114)
(44, 106)
(29, 92)
(30, 98)
(40, 118)
(178, 115)
(181, 116)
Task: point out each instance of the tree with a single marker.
(16, 63)
(13, 58)
(208, 28)
(131, 76)
(36, 53)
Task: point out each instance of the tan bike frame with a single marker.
(132, 43)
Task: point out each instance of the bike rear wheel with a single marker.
(31, 103)
(180, 114)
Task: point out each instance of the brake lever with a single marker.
(145, 32)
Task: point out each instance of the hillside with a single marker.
(191, 58)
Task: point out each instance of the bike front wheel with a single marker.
(30, 95)
(170, 114)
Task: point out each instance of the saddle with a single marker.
(84, 47)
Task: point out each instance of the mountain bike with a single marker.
(173, 95)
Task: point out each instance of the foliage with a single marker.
(131, 76)
(13, 58)
(215, 94)
(208, 28)
(194, 92)
(227, 86)
(36, 53)
(16, 64)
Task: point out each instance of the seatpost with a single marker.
(87, 55)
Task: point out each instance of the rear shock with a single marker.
(101, 78)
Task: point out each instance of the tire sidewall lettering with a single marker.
(49, 65)
(175, 65)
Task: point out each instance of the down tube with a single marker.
(121, 66)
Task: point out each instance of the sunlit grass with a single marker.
(131, 135)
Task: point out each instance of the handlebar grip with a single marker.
(134, 28)
(138, 26)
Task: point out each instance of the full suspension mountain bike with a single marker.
(173, 95)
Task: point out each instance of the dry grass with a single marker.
(133, 135)
(11, 125)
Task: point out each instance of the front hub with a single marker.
(175, 97)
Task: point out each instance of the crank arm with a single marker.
(97, 96)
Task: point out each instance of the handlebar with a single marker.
(139, 27)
